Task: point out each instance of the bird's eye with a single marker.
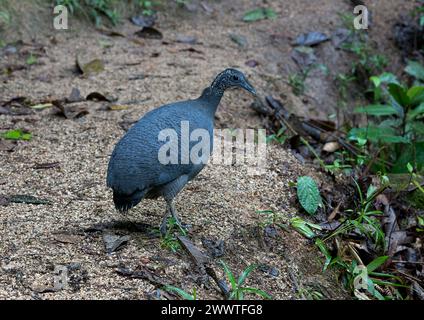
(235, 78)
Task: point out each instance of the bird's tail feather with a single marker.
(124, 202)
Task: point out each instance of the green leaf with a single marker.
(416, 95)
(399, 93)
(246, 273)
(31, 60)
(385, 77)
(377, 134)
(370, 192)
(415, 69)
(259, 14)
(377, 110)
(308, 194)
(394, 139)
(412, 114)
(376, 81)
(323, 248)
(417, 127)
(17, 134)
(373, 265)
(259, 292)
(420, 221)
(41, 106)
(304, 227)
(180, 292)
(229, 275)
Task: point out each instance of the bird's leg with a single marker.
(164, 223)
(170, 210)
(174, 214)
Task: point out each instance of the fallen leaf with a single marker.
(113, 242)
(96, 96)
(239, 39)
(92, 67)
(191, 50)
(272, 271)
(144, 274)
(340, 36)
(331, 147)
(117, 107)
(75, 96)
(198, 257)
(310, 39)
(41, 106)
(251, 63)
(71, 111)
(16, 106)
(149, 33)
(304, 56)
(215, 248)
(48, 165)
(330, 225)
(22, 198)
(334, 213)
(111, 33)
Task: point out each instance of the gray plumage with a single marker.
(135, 171)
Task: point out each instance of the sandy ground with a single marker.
(220, 204)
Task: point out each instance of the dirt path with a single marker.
(220, 203)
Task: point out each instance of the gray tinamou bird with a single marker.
(135, 171)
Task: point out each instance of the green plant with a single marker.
(32, 59)
(17, 134)
(95, 9)
(183, 294)
(259, 14)
(414, 177)
(420, 221)
(343, 84)
(304, 227)
(365, 62)
(279, 137)
(364, 219)
(4, 18)
(297, 80)
(310, 294)
(182, 2)
(308, 194)
(72, 5)
(338, 166)
(269, 217)
(146, 7)
(416, 70)
(169, 240)
(419, 13)
(237, 289)
(396, 129)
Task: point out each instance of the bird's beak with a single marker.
(247, 86)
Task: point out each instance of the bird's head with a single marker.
(230, 78)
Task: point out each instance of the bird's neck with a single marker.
(212, 96)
